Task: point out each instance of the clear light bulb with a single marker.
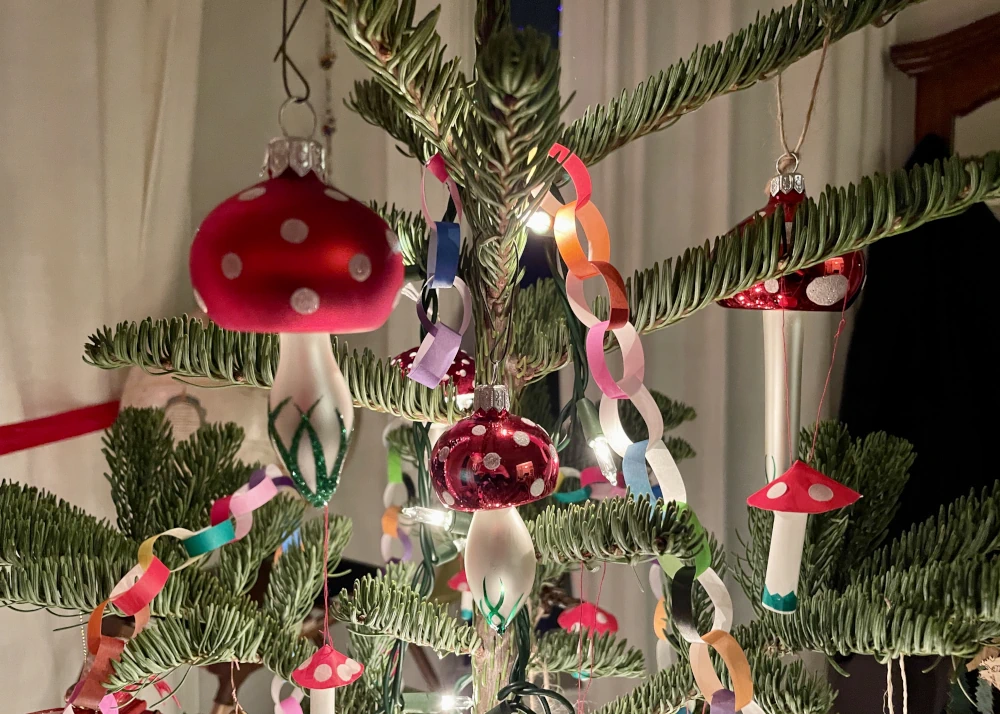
(591, 425)
(540, 222)
(309, 397)
(606, 462)
(499, 564)
(454, 522)
(428, 703)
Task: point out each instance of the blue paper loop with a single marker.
(634, 470)
(442, 254)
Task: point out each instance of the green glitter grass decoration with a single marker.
(326, 483)
(492, 612)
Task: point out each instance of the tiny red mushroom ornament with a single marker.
(296, 256)
(798, 492)
(460, 583)
(587, 616)
(461, 374)
(831, 286)
(489, 463)
(323, 673)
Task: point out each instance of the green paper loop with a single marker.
(394, 466)
(209, 539)
(702, 558)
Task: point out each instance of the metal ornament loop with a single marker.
(301, 102)
(778, 164)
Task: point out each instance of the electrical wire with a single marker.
(282, 53)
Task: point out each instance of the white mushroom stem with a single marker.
(783, 561)
(782, 345)
(321, 701)
(308, 374)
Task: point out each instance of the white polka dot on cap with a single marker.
(322, 673)
(294, 230)
(305, 301)
(232, 266)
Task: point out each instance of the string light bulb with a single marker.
(429, 703)
(454, 522)
(540, 223)
(591, 425)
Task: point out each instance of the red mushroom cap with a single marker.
(292, 254)
(820, 288)
(326, 669)
(459, 582)
(803, 489)
(588, 616)
(462, 372)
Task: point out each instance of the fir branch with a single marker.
(407, 60)
(373, 103)
(539, 327)
(189, 347)
(863, 622)
(239, 562)
(209, 634)
(841, 220)
(297, 576)
(615, 530)
(515, 110)
(380, 607)
(491, 17)
(780, 687)
(968, 528)
(755, 53)
(37, 524)
(664, 692)
(411, 230)
(559, 652)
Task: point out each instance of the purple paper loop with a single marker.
(437, 351)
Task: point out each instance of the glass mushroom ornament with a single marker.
(296, 256)
(490, 463)
(830, 286)
(461, 374)
(798, 492)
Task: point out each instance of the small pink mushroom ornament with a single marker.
(323, 673)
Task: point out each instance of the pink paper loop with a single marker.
(591, 475)
(108, 705)
(633, 360)
(438, 169)
(165, 691)
(288, 705)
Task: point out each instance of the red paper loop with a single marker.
(139, 587)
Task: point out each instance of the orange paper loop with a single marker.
(390, 521)
(568, 242)
(736, 662)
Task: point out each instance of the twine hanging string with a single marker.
(791, 156)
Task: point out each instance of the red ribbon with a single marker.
(58, 427)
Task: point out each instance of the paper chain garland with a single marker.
(440, 345)
(651, 451)
(231, 518)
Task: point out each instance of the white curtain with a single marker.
(692, 182)
(97, 124)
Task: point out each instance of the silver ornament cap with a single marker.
(299, 154)
(786, 183)
(491, 396)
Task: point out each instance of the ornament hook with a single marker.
(297, 102)
(787, 163)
